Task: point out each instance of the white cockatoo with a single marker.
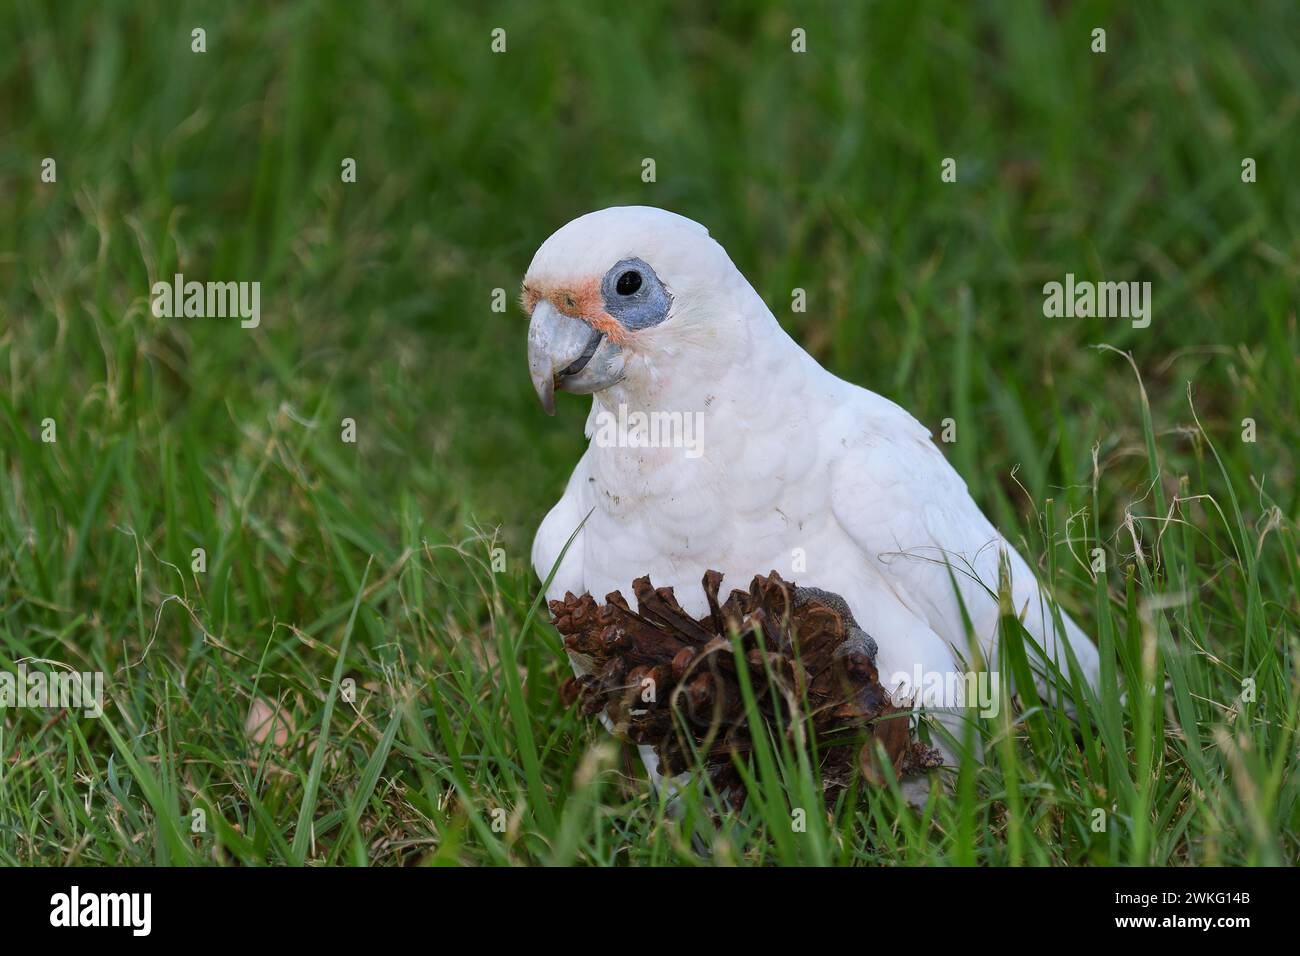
(762, 460)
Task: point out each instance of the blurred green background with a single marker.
(817, 170)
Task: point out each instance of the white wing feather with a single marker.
(901, 502)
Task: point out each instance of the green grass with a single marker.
(371, 562)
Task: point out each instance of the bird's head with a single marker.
(627, 296)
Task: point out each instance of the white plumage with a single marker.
(798, 471)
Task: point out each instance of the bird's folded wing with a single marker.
(898, 498)
(553, 534)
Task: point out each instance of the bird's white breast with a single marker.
(754, 497)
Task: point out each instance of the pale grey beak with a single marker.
(567, 353)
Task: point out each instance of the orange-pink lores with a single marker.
(582, 301)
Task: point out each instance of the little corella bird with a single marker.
(717, 442)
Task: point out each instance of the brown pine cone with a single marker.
(666, 679)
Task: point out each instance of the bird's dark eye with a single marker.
(628, 283)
